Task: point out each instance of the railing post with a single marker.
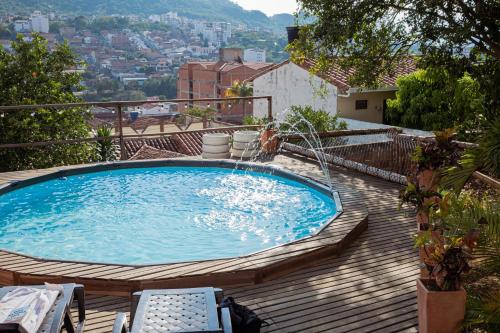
(123, 152)
(270, 108)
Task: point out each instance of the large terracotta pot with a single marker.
(269, 141)
(428, 179)
(439, 311)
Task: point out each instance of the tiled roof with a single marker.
(340, 78)
(184, 143)
(147, 152)
(267, 70)
(252, 65)
(162, 143)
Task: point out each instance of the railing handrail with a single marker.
(118, 106)
(127, 103)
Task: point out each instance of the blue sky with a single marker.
(269, 7)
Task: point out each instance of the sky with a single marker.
(270, 7)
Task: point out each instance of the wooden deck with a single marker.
(118, 280)
(369, 287)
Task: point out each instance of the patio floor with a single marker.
(370, 287)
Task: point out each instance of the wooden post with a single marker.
(270, 109)
(123, 152)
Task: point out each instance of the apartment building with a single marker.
(212, 79)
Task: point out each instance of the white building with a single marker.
(22, 25)
(36, 23)
(39, 22)
(216, 33)
(155, 109)
(254, 55)
(292, 84)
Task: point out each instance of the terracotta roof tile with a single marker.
(226, 67)
(340, 78)
(266, 70)
(162, 143)
(147, 152)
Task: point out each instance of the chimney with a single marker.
(230, 54)
(293, 33)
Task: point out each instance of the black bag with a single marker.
(243, 319)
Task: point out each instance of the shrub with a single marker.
(302, 119)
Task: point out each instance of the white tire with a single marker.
(216, 139)
(246, 136)
(239, 153)
(215, 156)
(244, 145)
(215, 149)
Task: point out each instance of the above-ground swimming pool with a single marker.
(139, 214)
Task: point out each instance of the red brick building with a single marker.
(211, 79)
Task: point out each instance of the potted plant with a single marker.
(445, 248)
(269, 139)
(431, 157)
(422, 199)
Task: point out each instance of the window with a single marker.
(361, 104)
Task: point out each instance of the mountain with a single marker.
(213, 10)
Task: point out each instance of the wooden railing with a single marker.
(118, 107)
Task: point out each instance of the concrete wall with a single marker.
(291, 85)
(346, 106)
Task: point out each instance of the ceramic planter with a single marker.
(439, 311)
(269, 141)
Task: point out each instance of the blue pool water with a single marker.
(159, 215)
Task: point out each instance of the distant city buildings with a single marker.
(254, 55)
(36, 23)
(213, 33)
(122, 59)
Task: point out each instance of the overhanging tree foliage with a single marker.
(31, 74)
(374, 35)
(432, 99)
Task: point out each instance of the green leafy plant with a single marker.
(31, 74)
(485, 157)
(207, 113)
(432, 100)
(458, 224)
(413, 195)
(438, 153)
(250, 120)
(370, 38)
(240, 89)
(302, 118)
(483, 311)
(106, 150)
